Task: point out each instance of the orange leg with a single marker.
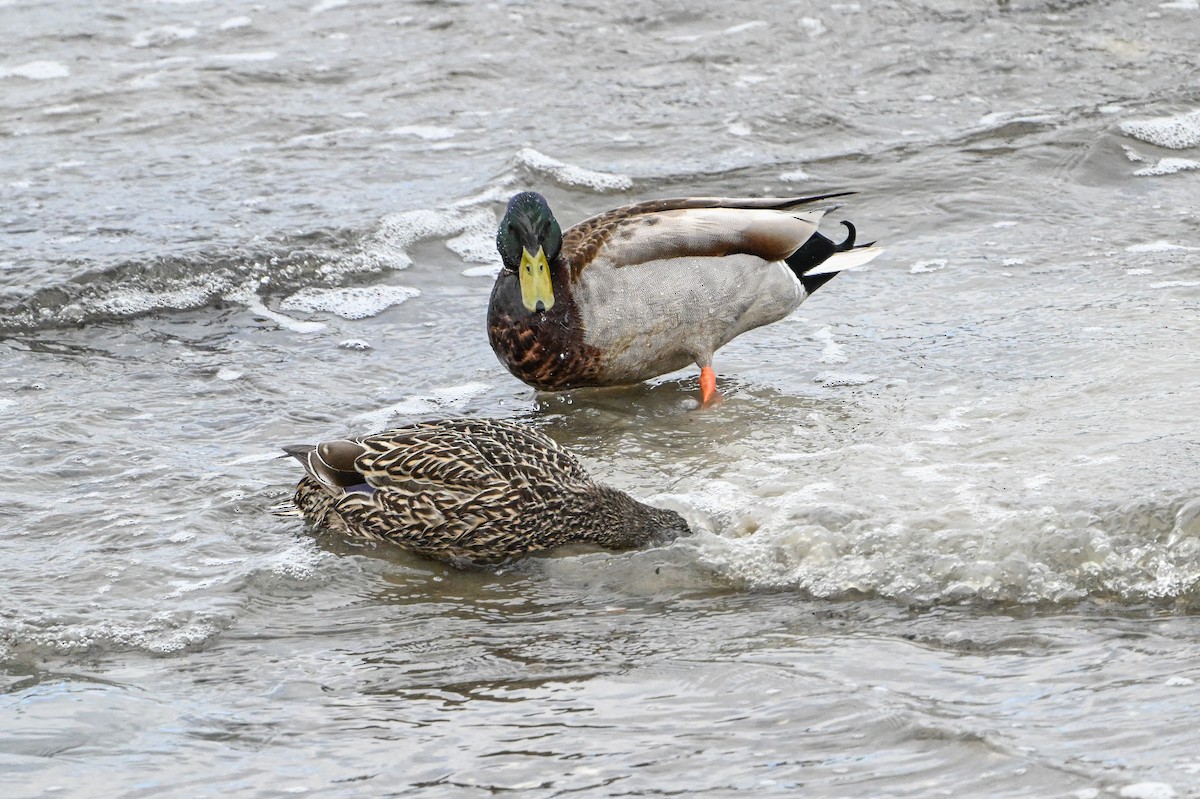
(708, 387)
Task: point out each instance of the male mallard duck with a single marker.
(645, 289)
(469, 491)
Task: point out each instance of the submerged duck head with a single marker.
(529, 241)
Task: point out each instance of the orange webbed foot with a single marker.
(708, 387)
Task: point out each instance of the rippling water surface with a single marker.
(948, 517)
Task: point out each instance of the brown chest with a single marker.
(544, 350)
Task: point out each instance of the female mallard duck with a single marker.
(649, 288)
(469, 491)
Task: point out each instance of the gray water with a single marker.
(948, 516)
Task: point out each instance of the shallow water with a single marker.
(948, 516)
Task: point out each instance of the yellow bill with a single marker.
(535, 281)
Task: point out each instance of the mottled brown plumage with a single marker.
(469, 492)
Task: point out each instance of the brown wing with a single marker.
(469, 455)
(769, 227)
(459, 524)
(460, 490)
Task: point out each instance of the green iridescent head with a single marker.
(529, 240)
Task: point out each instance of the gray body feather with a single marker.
(680, 315)
(675, 287)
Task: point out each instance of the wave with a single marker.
(192, 615)
(1139, 552)
(300, 273)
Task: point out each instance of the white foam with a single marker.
(355, 302)
(163, 633)
(1181, 5)
(128, 302)
(426, 132)
(738, 129)
(355, 344)
(1002, 118)
(928, 265)
(794, 457)
(831, 537)
(1138, 272)
(951, 421)
(1147, 790)
(1132, 154)
(326, 138)
(745, 26)
(795, 176)
(162, 36)
(1176, 132)
(237, 58)
(812, 26)
(477, 242)
(234, 23)
(183, 587)
(295, 325)
(228, 373)
(441, 400)
(1160, 246)
(721, 501)
(299, 562)
(838, 379)
(497, 191)
(327, 5)
(1168, 166)
(833, 352)
(570, 175)
(1038, 481)
(1176, 284)
(398, 232)
(62, 110)
(36, 70)
(491, 270)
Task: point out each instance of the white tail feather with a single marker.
(841, 261)
(286, 509)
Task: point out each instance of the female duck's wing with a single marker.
(409, 459)
(442, 488)
(771, 228)
(457, 455)
(519, 452)
(468, 455)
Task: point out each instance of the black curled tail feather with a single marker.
(815, 252)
